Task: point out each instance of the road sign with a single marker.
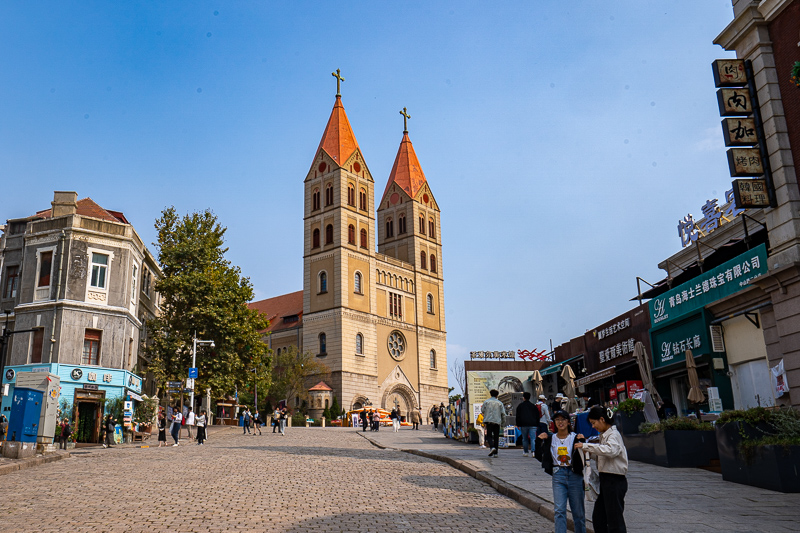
(173, 391)
(190, 383)
(128, 406)
(193, 373)
(187, 391)
(174, 383)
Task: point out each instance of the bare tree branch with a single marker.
(457, 369)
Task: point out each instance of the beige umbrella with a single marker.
(569, 389)
(640, 354)
(536, 377)
(695, 394)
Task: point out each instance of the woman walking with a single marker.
(201, 427)
(561, 459)
(110, 426)
(162, 429)
(175, 430)
(612, 464)
(64, 434)
(256, 422)
(395, 416)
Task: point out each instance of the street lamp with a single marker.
(195, 342)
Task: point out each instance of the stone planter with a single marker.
(673, 448)
(770, 467)
(729, 441)
(629, 424)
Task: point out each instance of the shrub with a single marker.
(680, 424)
(753, 416)
(630, 406)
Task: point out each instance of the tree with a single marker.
(202, 294)
(335, 409)
(457, 370)
(291, 372)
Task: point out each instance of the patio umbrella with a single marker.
(569, 389)
(695, 394)
(640, 354)
(538, 389)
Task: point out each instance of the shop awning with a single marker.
(558, 366)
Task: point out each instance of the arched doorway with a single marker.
(399, 396)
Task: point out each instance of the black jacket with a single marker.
(527, 415)
(541, 451)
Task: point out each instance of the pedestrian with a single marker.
(3, 427)
(479, 428)
(395, 416)
(544, 414)
(416, 418)
(562, 460)
(376, 420)
(201, 427)
(190, 422)
(162, 429)
(110, 426)
(435, 415)
(256, 422)
(494, 417)
(276, 416)
(246, 421)
(175, 429)
(65, 432)
(282, 421)
(612, 465)
(527, 422)
(362, 416)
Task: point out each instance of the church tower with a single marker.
(338, 263)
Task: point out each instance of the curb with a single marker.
(33, 461)
(521, 496)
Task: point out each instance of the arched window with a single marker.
(351, 234)
(359, 344)
(329, 234)
(357, 283)
(431, 229)
(323, 282)
(422, 224)
(363, 238)
(430, 303)
(323, 344)
(351, 195)
(315, 238)
(315, 199)
(423, 260)
(433, 263)
(401, 223)
(362, 199)
(329, 194)
(326, 403)
(389, 228)
(433, 358)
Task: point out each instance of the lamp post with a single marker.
(195, 342)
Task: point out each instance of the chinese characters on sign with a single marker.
(714, 217)
(492, 355)
(739, 132)
(750, 193)
(670, 349)
(729, 73)
(618, 350)
(734, 102)
(91, 376)
(745, 162)
(107, 378)
(613, 328)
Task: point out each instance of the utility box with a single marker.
(50, 387)
(26, 412)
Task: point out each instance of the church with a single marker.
(372, 305)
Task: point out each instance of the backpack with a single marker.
(539, 407)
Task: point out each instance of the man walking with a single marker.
(190, 422)
(494, 416)
(363, 417)
(416, 418)
(544, 415)
(246, 421)
(528, 423)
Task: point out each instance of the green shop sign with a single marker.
(671, 342)
(724, 280)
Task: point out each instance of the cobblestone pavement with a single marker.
(659, 499)
(313, 479)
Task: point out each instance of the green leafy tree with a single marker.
(203, 294)
(292, 371)
(335, 409)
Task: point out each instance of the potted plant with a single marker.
(630, 415)
(760, 447)
(674, 443)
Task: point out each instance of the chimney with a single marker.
(64, 203)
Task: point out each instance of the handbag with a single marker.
(591, 478)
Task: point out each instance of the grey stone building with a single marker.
(81, 279)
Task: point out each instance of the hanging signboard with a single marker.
(739, 131)
(729, 73)
(745, 162)
(726, 279)
(734, 102)
(671, 342)
(750, 193)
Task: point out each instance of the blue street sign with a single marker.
(193, 373)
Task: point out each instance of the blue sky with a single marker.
(562, 140)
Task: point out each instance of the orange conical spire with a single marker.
(407, 172)
(338, 141)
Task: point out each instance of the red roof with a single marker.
(338, 141)
(283, 312)
(406, 172)
(88, 208)
(320, 386)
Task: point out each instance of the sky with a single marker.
(563, 140)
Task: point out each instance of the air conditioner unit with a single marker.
(717, 339)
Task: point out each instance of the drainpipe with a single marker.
(58, 291)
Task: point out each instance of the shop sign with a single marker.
(739, 131)
(621, 387)
(734, 102)
(605, 373)
(613, 328)
(612, 394)
(671, 342)
(745, 162)
(714, 217)
(719, 282)
(751, 193)
(493, 355)
(729, 73)
(89, 386)
(618, 350)
(634, 387)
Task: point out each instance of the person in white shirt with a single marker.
(201, 427)
(544, 412)
(175, 429)
(190, 422)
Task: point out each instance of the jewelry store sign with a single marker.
(719, 282)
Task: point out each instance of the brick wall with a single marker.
(785, 34)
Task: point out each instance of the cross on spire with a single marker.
(406, 116)
(339, 80)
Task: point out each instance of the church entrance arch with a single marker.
(359, 402)
(399, 396)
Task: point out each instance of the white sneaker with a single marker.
(482, 446)
(525, 454)
(174, 445)
(105, 445)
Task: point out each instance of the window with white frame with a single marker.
(99, 268)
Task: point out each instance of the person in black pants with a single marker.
(527, 422)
